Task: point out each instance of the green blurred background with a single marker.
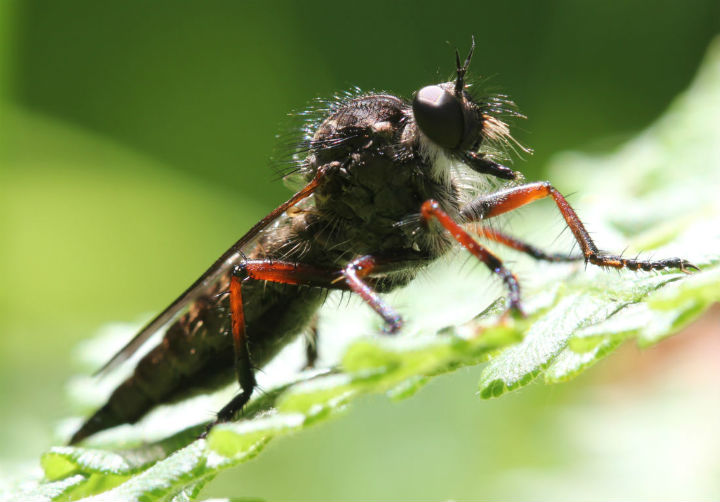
(134, 144)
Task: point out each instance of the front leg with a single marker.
(515, 197)
(431, 209)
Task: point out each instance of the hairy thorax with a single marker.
(378, 178)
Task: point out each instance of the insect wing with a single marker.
(208, 280)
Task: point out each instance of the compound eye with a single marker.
(439, 115)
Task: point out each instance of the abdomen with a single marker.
(196, 352)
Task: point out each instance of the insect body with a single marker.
(383, 197)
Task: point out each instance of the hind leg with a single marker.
(356, 277)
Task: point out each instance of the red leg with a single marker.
(515, 197)
(354, 273)
(299, 274)
(243, 364)
(512, 242)
(351, 277)
(283, 272)
(431, 209)
(355, 277)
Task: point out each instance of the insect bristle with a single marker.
(297, 140)
(499, 113)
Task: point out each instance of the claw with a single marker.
(392, 327)
(515, 311)
(204, 434)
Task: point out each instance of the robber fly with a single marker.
(385, 194)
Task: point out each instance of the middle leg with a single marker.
(431, 209)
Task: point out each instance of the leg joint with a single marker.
(241, 271)
(361, 266)
(429, 208)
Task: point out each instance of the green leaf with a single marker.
(657, 193)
